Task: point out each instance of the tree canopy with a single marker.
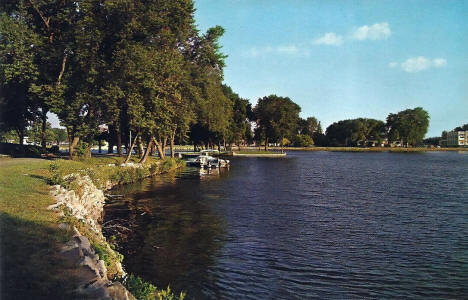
(277, 118)
(409, 126)
(145, 71)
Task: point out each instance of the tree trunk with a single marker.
(148, 149)
(266, 144)
(171, 143)
(20, 136)
(110, 141)
(72, 142)
(88, 150)
(160, 148)
(119, 139)
(129, 153)
(171, 146)
(43, 131)
(163, 146)
(140, 147)
(100, 146)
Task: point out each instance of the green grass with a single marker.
(29, 234)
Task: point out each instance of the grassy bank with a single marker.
(30, 234)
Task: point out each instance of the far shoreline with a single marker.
(359, 149)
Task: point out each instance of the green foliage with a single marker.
(409, 126)
(355, 132)
(139, 288)
(101, 250)
(277, 118)
(129, 174)
(461, 128)
(143, 290)
(81, 149)
(302, 140)
(167, 294)
(56, 176)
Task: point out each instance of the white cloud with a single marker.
(291, 50)
(439, 62)
(420, 63)
(330, 38)
(416, 64)
(378, 31)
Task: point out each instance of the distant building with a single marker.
(457, 139)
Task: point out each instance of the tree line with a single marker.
(140, 67)
(146, 71)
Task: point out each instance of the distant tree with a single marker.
(36, 134)
(408, 126)
(60, 135)
(432, 141)
(461, 128)
(355, 131)
(277, 118)
(302, 140)
(309, 126)
(239, 128)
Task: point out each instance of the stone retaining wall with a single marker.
(86, 203)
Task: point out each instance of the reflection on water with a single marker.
(166, 235)
(312, 225)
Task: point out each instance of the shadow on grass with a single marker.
(45, 179)
(30, 268)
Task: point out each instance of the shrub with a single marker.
(56, 175)
(81, 149)
(169, 295)
(153, 168)
(102, 252)
(139, 288)
(143, 290)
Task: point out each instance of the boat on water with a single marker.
(207, 162)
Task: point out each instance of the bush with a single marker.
(302, 140)
(143, 290)
(102, 252)
(56, 176)
(140, 289)
(81, 149)
(168, 295)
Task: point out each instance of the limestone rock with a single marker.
(117, 291)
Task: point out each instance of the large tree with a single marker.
(355, 131)
(408, 126)
(239, 129)
(18, 70)
(277, 118)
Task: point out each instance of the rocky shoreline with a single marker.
(86, 204)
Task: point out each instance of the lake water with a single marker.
(311, 225)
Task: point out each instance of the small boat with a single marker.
(208, 162)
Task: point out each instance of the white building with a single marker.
(457, 138)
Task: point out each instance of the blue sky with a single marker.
(348, 59)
